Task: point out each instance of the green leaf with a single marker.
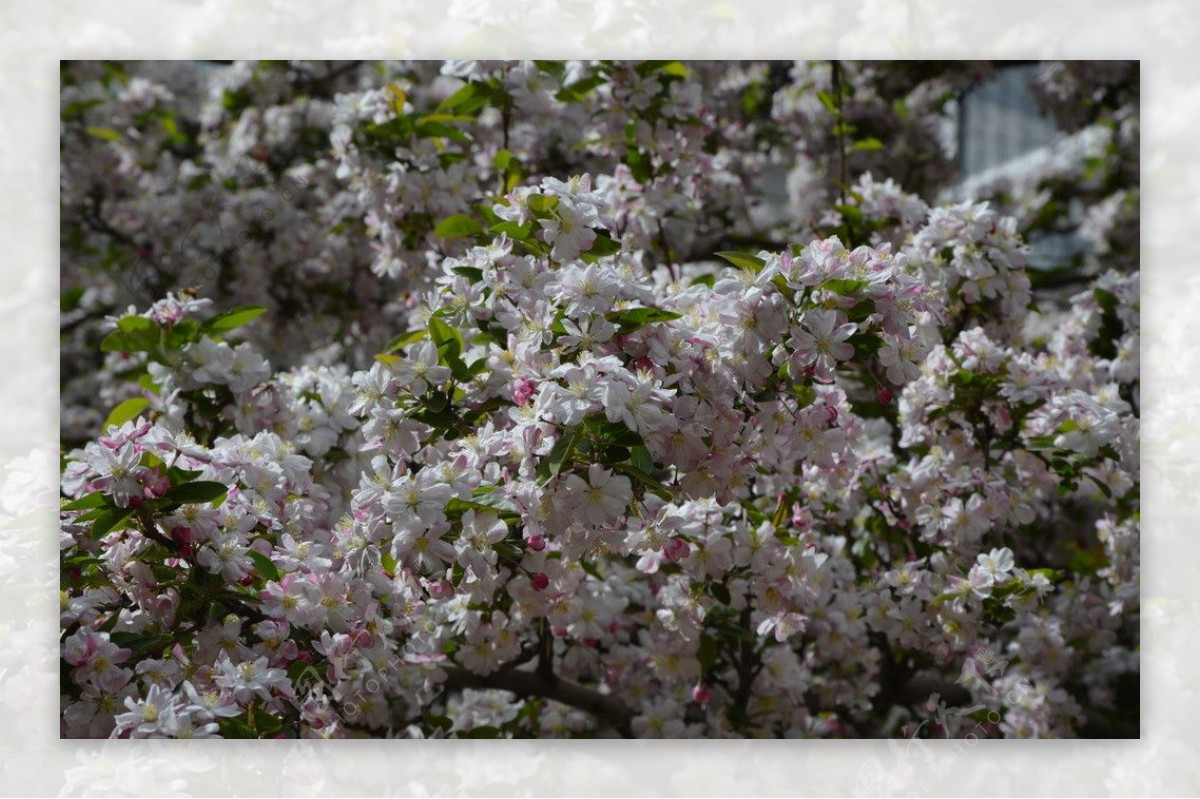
(708, 651)
(865, 345)
(1103, 486)
(391, 133)
(634, 318)
(675, 68)
(137, 325)
(743, 260)
(109, 520)
(69, 299)
(126, 411)
(93, 500)
(432, 128)
(510, 167)
(449, 343)
(141, 643)
(486, 503)
(866, 144)
(861, 311)
(197, 492)
(107, 134)
(265, 567)
(232, 319)
(781, 285)
(963, 378)
(467, 100)
(576, 92)
(171, 128)
(179, 476)
(541, 203)
(133, 334)
(76, 109)
(182, 333)
(1053, 575)
(268, 724)
(503, 159)
(443, 335)
(556, 68)
(235, 728)
(602, 247)
(640, 165)
(652, 485)
(473, 273)
(457, 226)
(704, 280)
(560, 453)
(1105, 299)
(844, 286)
(404, 339)
(720, 593)
(481, 732)
(1087, 561)
(388, 561)
(639, 456)
(446, 118)
(513, 231)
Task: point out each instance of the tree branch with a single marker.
(528, 683)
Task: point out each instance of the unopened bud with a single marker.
(677, 549)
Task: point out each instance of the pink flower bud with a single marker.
(676, 549)
(536, 542)
(540, 581)
(884, 396)
(523, 389)
(700, 693)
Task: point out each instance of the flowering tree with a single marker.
(506, 399)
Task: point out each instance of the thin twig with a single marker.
(840, 130)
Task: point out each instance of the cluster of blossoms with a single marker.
(975, 257)
(611, 474)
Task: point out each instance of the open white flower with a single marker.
(602, 498)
